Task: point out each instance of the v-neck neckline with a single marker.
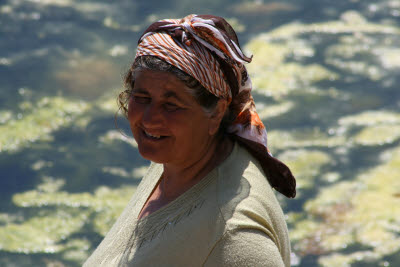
(182, 199)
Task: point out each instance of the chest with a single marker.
(155, 201)
(160, 198)
(182, 240)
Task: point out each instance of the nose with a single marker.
(152, 116)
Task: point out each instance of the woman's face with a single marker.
(167, 123)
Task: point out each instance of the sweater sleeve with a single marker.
(245, 247)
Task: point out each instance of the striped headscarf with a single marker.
(206, 47)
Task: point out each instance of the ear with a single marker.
(217, 115)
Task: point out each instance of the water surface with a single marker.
(325, 77)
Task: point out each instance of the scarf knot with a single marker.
(206, 30)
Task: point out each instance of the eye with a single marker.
(171, 107)
(141, 99)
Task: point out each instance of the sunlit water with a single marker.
(326, 77)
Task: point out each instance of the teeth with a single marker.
(154, 136)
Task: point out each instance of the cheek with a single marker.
(130, 106)
(133, 111)
(192, 128)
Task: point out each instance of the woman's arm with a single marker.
(245, 247)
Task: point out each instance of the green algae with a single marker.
(109, 105)
(344, 215)
(6, 218)
(50, 184)
(139, 172)
(114, 201)
(275, 76)
(383, 130)
(117, 171)
(42, 233)
(369, 118)
(259, 8)
(378, 127)
(136, 173)
(87, 77)
(357, 67)
(112, 136)
(278, 77)
(76, 250)
(118, 50)
(350, 53)
(57, 2)
(362, 212)
(5, 116)
(236, 24)
(304, 138)
(49, 115)
(389, 57)
(336, 260)
(273, 110)
(35, 198)
(108, 102)
(300, 161)
(103, 198)
(351, 22)
(62, 214)
(113, 24)
(378, 135)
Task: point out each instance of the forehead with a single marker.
(147, 79)
(163, 84)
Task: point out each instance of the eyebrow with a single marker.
(140, 90)
(168, 94)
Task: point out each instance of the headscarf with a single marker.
(207, 48)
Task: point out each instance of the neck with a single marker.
(177, 178)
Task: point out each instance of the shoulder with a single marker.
(243, 184)
(248, 203)
(245, 247)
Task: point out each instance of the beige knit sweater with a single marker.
(230, 218)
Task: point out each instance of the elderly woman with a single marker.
(207, 198)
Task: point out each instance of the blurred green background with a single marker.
(325, 75)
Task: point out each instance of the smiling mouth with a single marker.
(153, 136)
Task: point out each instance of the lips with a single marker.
(153, 136)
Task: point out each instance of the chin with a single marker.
(153, 156)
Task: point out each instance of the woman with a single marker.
(207, 197)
